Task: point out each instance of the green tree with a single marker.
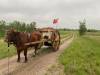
(19, 26)
(23, 27)
(82, 27)
(16, 25)
(2, 28)
(2, 25)
(31, 27)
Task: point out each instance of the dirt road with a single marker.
(36, 65)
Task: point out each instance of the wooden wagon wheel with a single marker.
(56, 42)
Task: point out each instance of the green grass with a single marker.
(4, 49)
(93, 33)
(2, 34)
(82, 57)
(64, 34)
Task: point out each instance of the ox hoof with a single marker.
(18, 60)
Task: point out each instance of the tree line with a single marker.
(83, 29)
(19, 26)
(24, 27)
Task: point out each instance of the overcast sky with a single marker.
(43, 12)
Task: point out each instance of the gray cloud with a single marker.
(43, 11)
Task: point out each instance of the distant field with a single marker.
(82, 57)
(4, 48)
(65, 33)
(93, 33)
(62, 32)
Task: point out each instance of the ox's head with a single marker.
(10, 36)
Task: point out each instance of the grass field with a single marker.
(64, 34)
(4, 48)
(93, 33)
(1, 34)
(82, 57)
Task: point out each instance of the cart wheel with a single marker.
(56, 43)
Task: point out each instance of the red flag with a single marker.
(55, 21)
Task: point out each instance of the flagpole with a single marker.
(56, 26)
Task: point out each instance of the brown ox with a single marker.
(18, 39)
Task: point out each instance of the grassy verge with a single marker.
(82, 57)
(4, 49)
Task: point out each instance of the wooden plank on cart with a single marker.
(44, 40)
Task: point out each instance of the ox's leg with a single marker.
(35, 50)
(25, 54)
(18, 52)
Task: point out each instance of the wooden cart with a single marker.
(51, 37)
